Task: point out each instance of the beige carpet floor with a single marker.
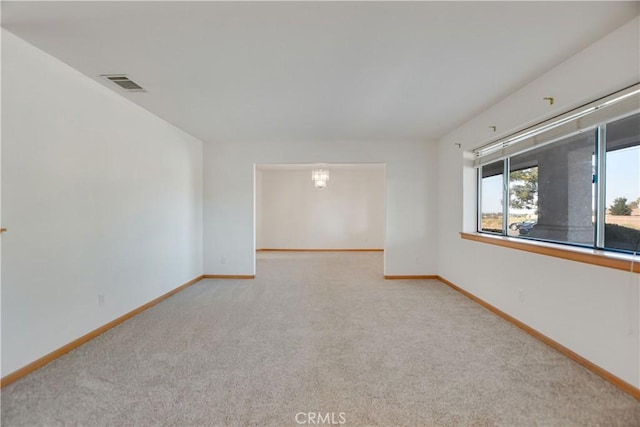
(321, 333)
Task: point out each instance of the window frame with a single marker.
(509, 149)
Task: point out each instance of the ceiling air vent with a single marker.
(124, 82)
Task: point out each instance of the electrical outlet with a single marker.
(223, 260)
(100, 300)
(521, 295)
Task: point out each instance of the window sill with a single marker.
(588, 256)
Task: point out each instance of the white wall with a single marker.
(591, 310)
(1, 68)
(99, 196)
(347, 214)
(258, 208)
(410, 246)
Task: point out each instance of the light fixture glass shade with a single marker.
(320, 177)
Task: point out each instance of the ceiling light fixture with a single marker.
(320, 177)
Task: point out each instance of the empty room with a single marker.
(320, 213)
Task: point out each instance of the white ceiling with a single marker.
(316, 71)
(310, 166)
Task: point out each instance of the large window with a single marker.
(576, 181)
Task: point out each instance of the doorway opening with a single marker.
(346, 212)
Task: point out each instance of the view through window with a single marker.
(555, 193)
(622, 195)
(491, 190)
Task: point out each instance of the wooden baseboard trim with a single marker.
(228, 276)
(319, 250)
(422, 277)
(26, 370)
(618, 382)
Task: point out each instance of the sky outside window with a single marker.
(623, 174)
